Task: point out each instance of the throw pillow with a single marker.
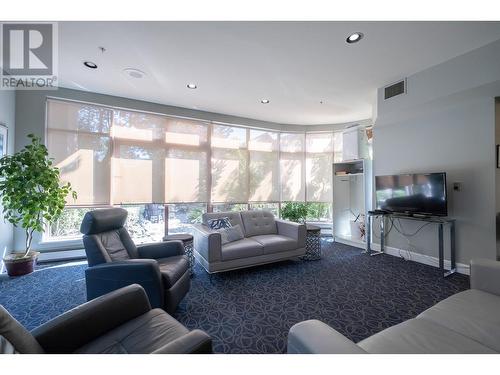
(220, 223)
(230, 234)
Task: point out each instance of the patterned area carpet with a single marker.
(251, 310)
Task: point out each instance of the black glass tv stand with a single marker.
(439, 221)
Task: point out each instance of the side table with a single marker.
(313, 243)
(187, 240)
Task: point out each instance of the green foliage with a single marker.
(318, 211)
(294, 211)
(30, 189)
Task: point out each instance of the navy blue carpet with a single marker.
(251, 310)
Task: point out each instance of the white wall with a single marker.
(7, 116)
(446, 123)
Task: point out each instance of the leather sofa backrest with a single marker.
(234, 218)
(105, 239)
(258, 222)
(16, 335)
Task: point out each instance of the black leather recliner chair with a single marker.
(117, 323)
(115, 261)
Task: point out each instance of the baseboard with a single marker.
(421, 258)
(59, 256)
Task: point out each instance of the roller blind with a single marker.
(78, 138)
(138, 157)
(292, 166)
(229, 164)
(319, 160)
(186, 161)
(264, 166)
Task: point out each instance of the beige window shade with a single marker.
(78, 140)
(292, 167)
(138, 158)
(319, 160)
(186, 161)
(264, 166)
(229, 164)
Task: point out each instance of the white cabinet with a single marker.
(351, 197)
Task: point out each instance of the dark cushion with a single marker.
(172, 269)
(223, 222)
(141, 335)
(112, 243)
(103, 220)
(16, 335)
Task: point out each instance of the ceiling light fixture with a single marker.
(134, 73)
(264, 101)
(191, 86)
(354, 37)
(90, 64)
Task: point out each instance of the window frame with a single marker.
(48, 243)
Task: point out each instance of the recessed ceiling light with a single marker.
(264, 101)
(134, 73)
(191, 86)
(90, 64)
(354, 37)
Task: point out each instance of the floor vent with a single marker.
(395, 89)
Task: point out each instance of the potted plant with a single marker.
(31, 194)
(295, 211)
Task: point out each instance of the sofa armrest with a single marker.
(207, 242)
(106, 277)
(294, 230)
(485, 275)
(79, 326)
(316, 337)
(195, 342)
(160, 249)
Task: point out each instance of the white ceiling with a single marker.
(235, 64)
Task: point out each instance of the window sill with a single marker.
(59, 245)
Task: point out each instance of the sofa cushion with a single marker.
(220, 223)
(234, 218)
(258, 222)
(419, 336)
(472, 313)
(244, 248)
(172, 269)
(275, 243)
(141, 335)
(231, 234)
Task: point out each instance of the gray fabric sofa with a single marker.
(266, 240)
(467, 322)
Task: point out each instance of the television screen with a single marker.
(422, 194)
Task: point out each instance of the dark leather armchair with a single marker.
(115, 261)
(117, 323)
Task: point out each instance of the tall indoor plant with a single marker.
(31, 194)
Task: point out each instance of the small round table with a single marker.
(187, 240)
(313, 243)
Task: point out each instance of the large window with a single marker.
(168, 171)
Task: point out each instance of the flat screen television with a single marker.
(412, 194)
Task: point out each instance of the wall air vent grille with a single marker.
(395, 89)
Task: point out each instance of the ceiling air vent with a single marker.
(395, 89)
